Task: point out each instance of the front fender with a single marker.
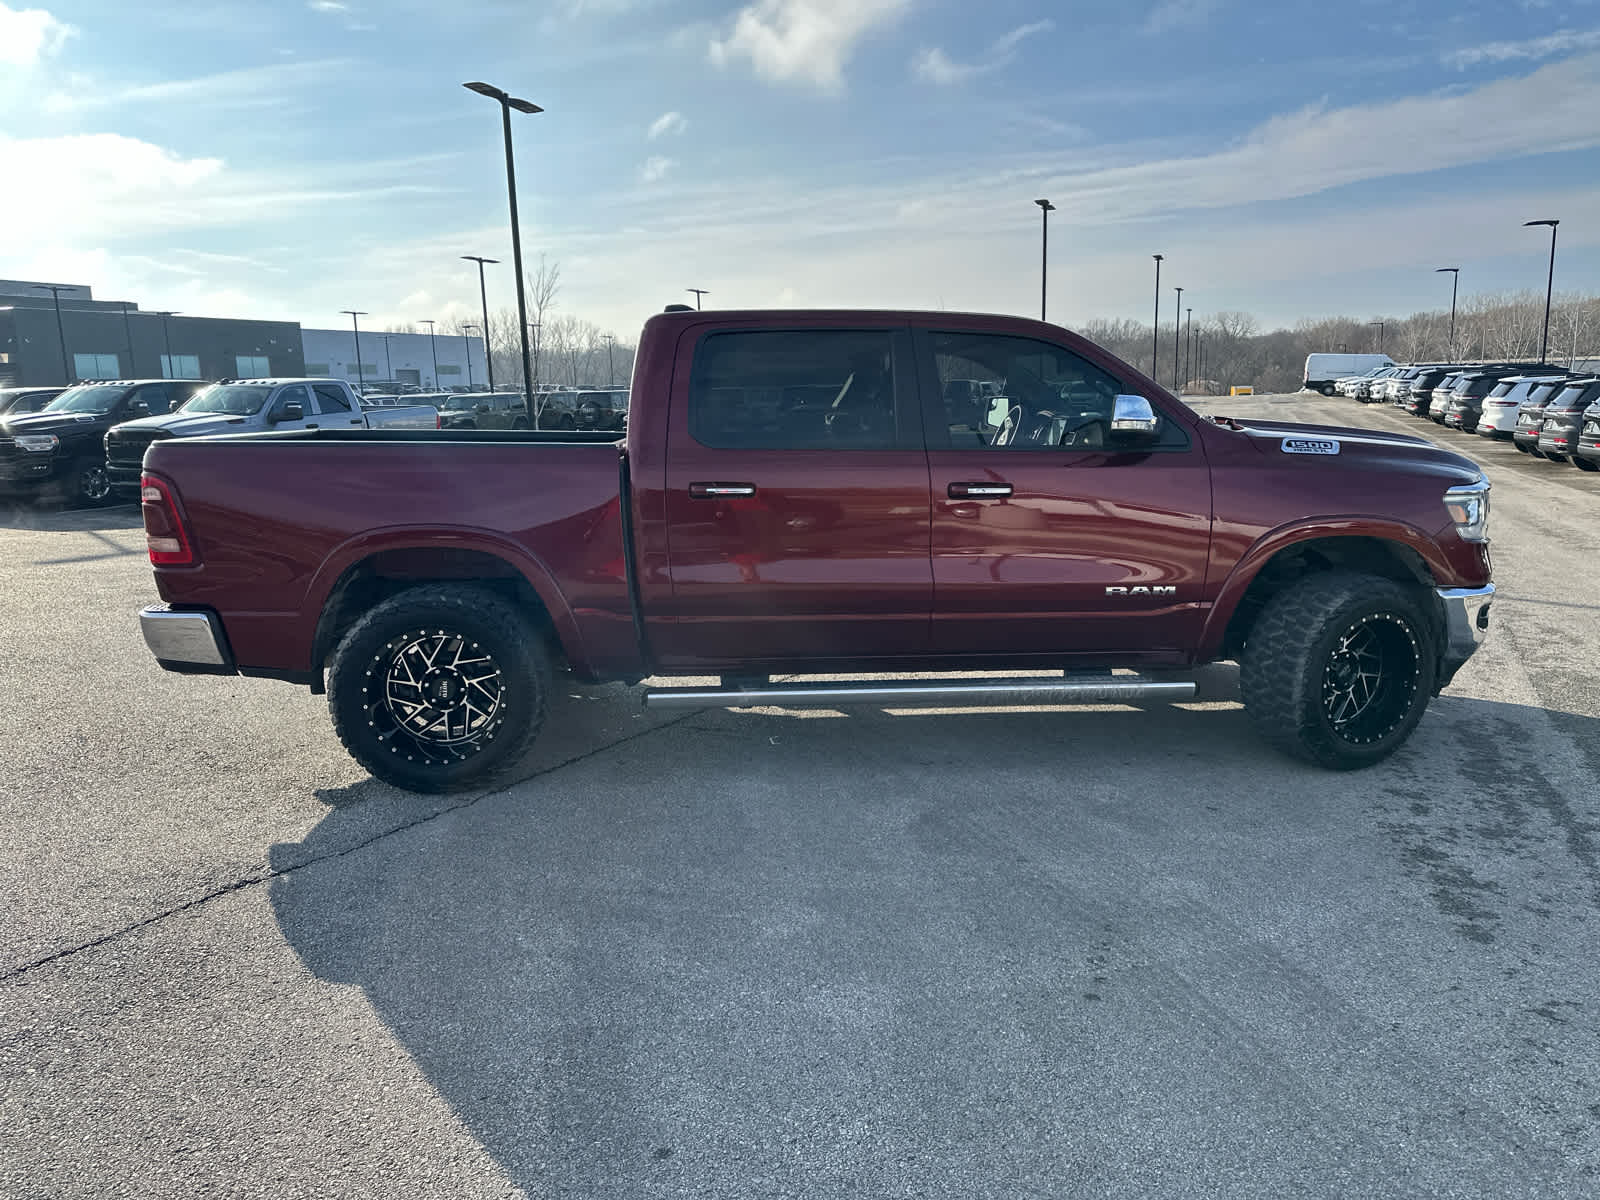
(1284, 537)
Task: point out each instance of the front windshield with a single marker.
(232, 399)
(90, 398)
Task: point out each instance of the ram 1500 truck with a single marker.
(801, 494)
(59, 451)
(252, 405)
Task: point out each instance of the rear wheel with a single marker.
(1338, 669)
(1585, 464)
(439, 688)
(1326, 389)
(566, 422)
(1552, 456)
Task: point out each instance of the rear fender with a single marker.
(528, 566)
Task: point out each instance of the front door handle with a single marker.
(979, 491)
(720, 491)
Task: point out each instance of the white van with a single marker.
(1323, 369)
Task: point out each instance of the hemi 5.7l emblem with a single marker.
(1141, 591)
(1300, 445)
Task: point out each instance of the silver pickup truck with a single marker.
(253, 406)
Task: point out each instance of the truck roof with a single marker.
(277, 380)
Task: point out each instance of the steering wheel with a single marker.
(1009, 427)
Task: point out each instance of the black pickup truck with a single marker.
(60, 451)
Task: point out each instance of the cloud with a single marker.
(1178, 14)
(671, 122)
(803, 41)
(935, 66)
(1567, 41)
(28, 35)
(656, 168)
(276, 85)
(326, 6)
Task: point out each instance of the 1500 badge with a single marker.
(1142, 591)
(1303, 445)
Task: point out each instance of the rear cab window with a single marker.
(330, 398)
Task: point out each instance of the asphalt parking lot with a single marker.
(1110, 953)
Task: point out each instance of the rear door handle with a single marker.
(979, 491)
(720, 491)
(357, 421)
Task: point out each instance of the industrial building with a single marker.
(441, 363)
(60, 334)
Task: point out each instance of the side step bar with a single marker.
(937, 693)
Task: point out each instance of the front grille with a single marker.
(125, 448)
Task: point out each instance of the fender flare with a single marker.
(1284, 537)
(528, 566)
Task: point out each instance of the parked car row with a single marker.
(86, 443)
(1546, 411)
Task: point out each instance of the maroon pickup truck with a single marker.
(811, 494)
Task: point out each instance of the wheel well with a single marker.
(374, 579)
(1369, 556)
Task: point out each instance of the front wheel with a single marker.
(89, 484)
(439, 688)
(1326, 389)
(1338, 669)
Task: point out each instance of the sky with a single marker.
(292, 158)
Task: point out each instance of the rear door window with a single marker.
(811, 389)
(330, 399)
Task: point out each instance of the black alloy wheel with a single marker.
(438, 688)
(90, 483)
(1339, 667)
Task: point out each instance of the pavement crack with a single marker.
(268, 875)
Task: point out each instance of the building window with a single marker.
(316, 368)
(180, 366)
(363, 371)
(449, 369)
(96, 366)
(252, 366)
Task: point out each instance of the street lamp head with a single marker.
(353, 312)
(1158, 257)
(1438, 270)
(479, 259)
(1552, 224)
(525, 106)
(1046, 205)
(494, 93)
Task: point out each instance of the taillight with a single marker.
(164, 533)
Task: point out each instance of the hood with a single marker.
(185, 424)
(62, 424)
(1336, 445)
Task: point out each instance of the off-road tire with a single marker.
(376, 713)
(1290, 674)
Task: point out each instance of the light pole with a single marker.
(361, 377)
(55, 291)
(1177, 332)
(507, 103)
(468, 346)
(611, 366)
(698, 292)
(1155, 332)
(388, 363)
(483, 296)
(1379, 324)
(434, 346)
(1045, 209)
(1550, 283)
(535, 326)
(1188, 342)
(1455, 278)
(166, 340)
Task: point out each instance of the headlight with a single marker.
(1468, 507)
(38, 443)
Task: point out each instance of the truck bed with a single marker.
(281, 521)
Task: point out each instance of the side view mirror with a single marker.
(1133, 420)
(290, 411)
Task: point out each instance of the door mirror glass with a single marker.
(1133, 420)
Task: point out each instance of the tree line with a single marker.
(1229, 349)
(1218, 351)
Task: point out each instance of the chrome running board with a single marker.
(939, 693)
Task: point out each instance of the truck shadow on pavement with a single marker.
(1012, 953)
(70, 520)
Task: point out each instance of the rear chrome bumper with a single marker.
(1466, 613)
(192, 642)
